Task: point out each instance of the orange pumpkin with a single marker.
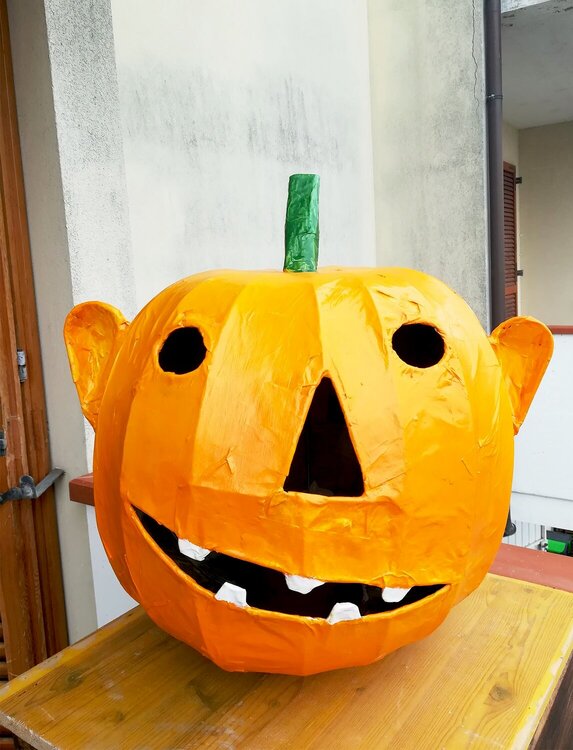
(296, 472)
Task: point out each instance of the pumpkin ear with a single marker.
(93, 333)
(523, 347)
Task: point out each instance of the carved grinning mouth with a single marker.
(248, 584)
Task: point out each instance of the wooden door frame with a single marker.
(31, 588)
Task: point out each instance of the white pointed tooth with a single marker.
(391, 595)
(194, 551)
(301, 584)
(343, 611)
(233, 594)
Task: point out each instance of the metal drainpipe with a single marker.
(494, 104)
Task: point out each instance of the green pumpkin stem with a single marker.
(301, 225)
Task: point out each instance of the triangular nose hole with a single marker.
(325, 461)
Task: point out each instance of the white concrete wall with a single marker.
(86, 106)
(427, 81)
(219, 103)
(546, 222)
(543, 482)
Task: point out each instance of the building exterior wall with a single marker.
(156, 145)
(219, 103)
(536, 45)
(427, 82)
(510, 144)
(546, 227)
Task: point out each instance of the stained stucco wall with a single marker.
(546, 222)
(219, 103)
(429, 141)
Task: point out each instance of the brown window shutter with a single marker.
(509, 240)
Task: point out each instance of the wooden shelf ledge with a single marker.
(82, 489)
(561, 330)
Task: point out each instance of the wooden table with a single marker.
(490, 677)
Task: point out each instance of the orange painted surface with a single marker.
(206, 453)
(530, 565)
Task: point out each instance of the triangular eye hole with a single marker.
(182, 351)
(325, 462)
(418, 344)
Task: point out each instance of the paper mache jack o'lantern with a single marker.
(303, 470)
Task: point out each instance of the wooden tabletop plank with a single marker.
(483, 679)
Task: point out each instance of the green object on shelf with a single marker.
(559, 548)
(560, 542)
(301, 225)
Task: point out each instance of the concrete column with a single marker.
(66, 89)
(427, 83)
